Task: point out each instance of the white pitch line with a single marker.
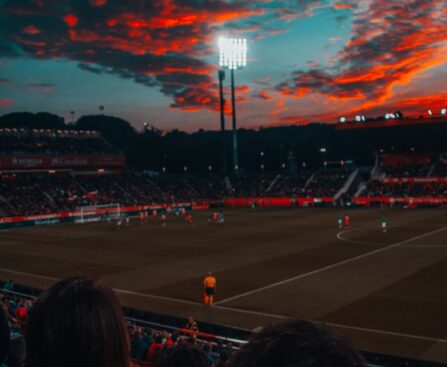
(342, 238)
(347, 261)
(123, 291)
(240, 310)
(335, 325)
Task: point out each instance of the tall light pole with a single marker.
(233, 56)
(222, 121)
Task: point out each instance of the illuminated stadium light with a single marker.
(358, 118)
(232, 56)
(392, 116)
(443, 111)
(430, 112)
(323, 150)
(387, 116)
(232, 53)
(342, 119)
(363, 118)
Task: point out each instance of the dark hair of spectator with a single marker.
(4, 336)
(77, 322)
(298, 344)
(17, 353)
(185, 356)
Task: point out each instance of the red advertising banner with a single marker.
(274, 202)
(400, 180)
(422, 200)
(61, 161)
(402, 160)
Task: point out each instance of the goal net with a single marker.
(95, 213)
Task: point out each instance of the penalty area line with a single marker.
(320, 270)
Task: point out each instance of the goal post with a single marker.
(95, 213)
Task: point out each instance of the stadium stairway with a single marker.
(309, 180)
(347, 185)
(272, 184)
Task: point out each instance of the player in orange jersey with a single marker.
(209, 284)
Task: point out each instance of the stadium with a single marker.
(126, 244)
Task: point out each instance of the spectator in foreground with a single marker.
(77, 322)
(298, 344)
(4, 336)
(184, 355)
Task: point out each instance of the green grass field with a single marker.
(385, 291)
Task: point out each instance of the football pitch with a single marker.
(385, 291)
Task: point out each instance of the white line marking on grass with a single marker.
(347, 261)
(240, 310)
(344, 239)
(117, 290)
(335, 325)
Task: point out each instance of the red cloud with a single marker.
(71, 20)
(5, 102)
(98, 2)
(389, 47)
(31, 30)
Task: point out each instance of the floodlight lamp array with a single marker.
(232, 53)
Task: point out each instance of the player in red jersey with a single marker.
(189, 219)
(215, 217)
(346, 221)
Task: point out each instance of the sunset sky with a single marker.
(155, 60)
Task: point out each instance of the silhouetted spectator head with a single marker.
(4, 336)
(17, 353)
(184, 356)
(77, 322)
(297, 344)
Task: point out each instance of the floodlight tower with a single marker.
(233, 56)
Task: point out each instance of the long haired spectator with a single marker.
(77, 322)
(184, 355)
(4, 336)
(299, 344)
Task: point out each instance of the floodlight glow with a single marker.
(392, 115)
(342, 119)
(363, 118)
(232, 53)
(358, 118)
(430, 113)
(443, 111)
(387, 116)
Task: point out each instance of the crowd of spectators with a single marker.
(79, 322)
(377, 188)
(440, 170)
(326, 183)
(44, 193)
(251, 184)
(407, 171)
(390, 186)
(52, 142)
(290, 185)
